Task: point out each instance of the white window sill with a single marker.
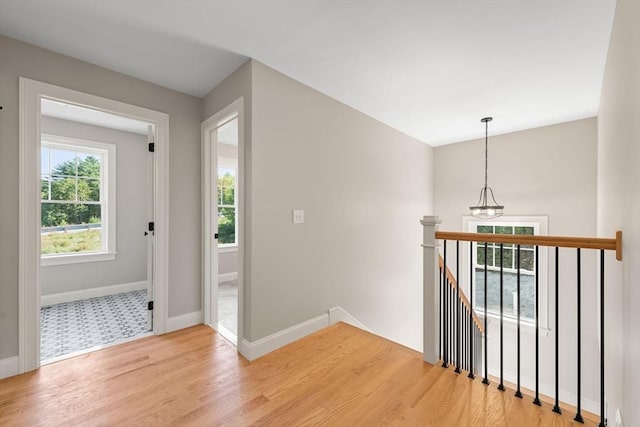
(51, 260)
(227, 248)
(527, 326)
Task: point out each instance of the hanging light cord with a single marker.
(486, 151)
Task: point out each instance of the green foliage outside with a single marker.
(74, 181)
(64, 184)
(226, 209)
(71, 242)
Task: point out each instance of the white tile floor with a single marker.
(228, 305)
(79, 325)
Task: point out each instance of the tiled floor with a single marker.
(228, 305)
(80, 325)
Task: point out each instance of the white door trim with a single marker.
(209, 250)
(30, 93)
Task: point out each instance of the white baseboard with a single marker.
(46, 300)
(9, 367)
(338, 314)
(251, 350)
(548, 390)
(227, 277)
(184, 321)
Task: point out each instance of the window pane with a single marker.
(63, 189)
(63, 162)
(479, 255)
(226, 189)
(88, 165)
(63, 214)
(510, 287)
(226, 225)
(88, 189)
(508, 258)
(66, 242)
(524, 230)
(485, 229)
(527, 260)
(504, 230)
(44, 188)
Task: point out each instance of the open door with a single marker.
(150, 231)
(222, 185)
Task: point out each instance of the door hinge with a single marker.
(152, 147)
(150, 305)
(152, 226)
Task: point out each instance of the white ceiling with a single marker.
(431, 69)
(228, 133)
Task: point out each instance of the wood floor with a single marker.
(340, 376)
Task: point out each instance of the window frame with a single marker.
(229, 163)
(540, 225)
(107, 197)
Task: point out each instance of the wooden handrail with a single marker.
(463, 297)
(524, 239)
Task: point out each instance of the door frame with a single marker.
(30, 94)
(210, 250)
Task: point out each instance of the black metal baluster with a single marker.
(450, 333)
(518, 392)
(445, 319)
(603, 420)
(536, 400)
(501, 385)
(485, 380)
(471, 334)
(556, 406)
(440, 322)
(578, 416)
(465, 313)
(458, 307)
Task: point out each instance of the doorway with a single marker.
(68, 209)
(97, 190)
(222, 137)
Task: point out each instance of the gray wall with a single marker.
(228, 262)
(548, 171)
(132, 196)
(20, 59)
(364, 188)
(619, 209)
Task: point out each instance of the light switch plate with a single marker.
(298, 216)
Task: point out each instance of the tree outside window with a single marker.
(227, 203)
(72, 200)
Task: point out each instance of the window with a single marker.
(227, 201)
(77, 191)
(511, 226)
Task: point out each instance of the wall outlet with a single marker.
(298, 216)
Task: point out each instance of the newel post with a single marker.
(431, 290)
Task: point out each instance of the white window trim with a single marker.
(541, 227)
(231, 163)
(107, 188)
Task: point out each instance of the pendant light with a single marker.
(485, 210)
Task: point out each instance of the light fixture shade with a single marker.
(487, 208)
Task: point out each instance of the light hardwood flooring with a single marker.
(340, 376)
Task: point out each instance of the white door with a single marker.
(222, 148)
(149, 232)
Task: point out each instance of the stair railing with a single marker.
(451, 337)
